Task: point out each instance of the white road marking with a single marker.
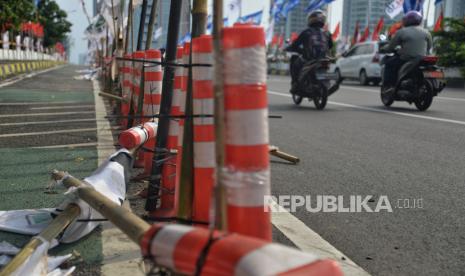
(36, 103)
(45, 114)
(373, 90)
(62, 131)
(377, 92)
(383, 111)
(308, 240)
(120, 255)
(61, 107)
(47, 122)
(81, 145)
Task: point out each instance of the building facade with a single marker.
(365, 12)
(452, 8)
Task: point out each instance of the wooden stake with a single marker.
(186, 185)
(153, 17)
(69, 214)
(220, 220)
(133, 226)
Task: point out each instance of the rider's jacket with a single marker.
(312, 43)
(414, 41)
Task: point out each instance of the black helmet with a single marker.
(412, 18)
(316, 19)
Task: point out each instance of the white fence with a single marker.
(8, 54)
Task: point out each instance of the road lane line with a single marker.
(47, 132)
(120, 255)
(61, 107)
(47, 122)
(377, 92)
(45, 114)
(308, 240)
(382, 110)
(22, 77)
(36, 103)
(80, 145)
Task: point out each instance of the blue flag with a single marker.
(255, 18)
(413, 5)
(36, 2)
(437, 2)
(316, 4)
(276, 10)
(288, 6)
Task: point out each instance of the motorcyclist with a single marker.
(414, 41)
(313, 43)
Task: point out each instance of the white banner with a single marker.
(395, 8)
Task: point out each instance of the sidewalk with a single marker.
(47, 122)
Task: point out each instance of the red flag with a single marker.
(281, 41)
(378, 29)
(274, 40)
(365, 35)
(355, 37)
(294, 36)
(337, 31)
(438, 25)
(394, 28)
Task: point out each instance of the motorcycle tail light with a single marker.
(375, 58)
(431, 59)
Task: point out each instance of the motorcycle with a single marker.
(418, 82)
(314, 82)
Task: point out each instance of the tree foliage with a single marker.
(450, 43)
(13, 13)
(54, 21)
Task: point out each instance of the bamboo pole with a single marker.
(286, 156)
(69, 214)
(165, 105)
(153, 17)
(140, 35)
(130, 224)
(111, 96)
(220, 220)
(186, 185)
(128, 28)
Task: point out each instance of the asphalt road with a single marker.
(358, 147)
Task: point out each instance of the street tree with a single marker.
(450, 43)
(13, 13)
(54, 21)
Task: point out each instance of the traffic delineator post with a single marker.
(204, 134)
(152, 97)
(137, 136)
(246, 175)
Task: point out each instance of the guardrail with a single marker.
(9, 54)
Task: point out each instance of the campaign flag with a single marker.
(413, 5)
(438, 26)
(293, 37)
(276, 9)
(288, 6)
(316, 4)
(336, 31)
(254, 18)
(356, 31)
(394, 28)
(395, 8)
(366, 34)
(378, 29)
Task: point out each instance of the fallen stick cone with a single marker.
(111, 96)
(280, 154)
(65, 218)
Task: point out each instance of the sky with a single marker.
(77, 17)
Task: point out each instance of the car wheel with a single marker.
(363, 78)
(338, 74)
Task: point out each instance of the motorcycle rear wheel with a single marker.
(425, 96)
(386, 99)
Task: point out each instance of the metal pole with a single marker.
(199, 23)
(219, 220)
(69, 214)
(165, 105)
(427, 14)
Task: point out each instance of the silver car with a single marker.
(361, 63)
